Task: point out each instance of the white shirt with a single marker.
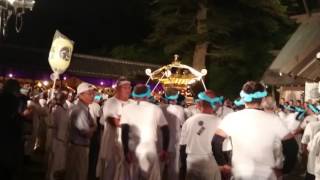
(282, 115)
(112, 108)
(174, 114)
(42, 102)
(191, 110)
(69, 104)
(197, 133)
(95, 111)
(311, 130)
(308, 119)
(315, 149)
(290, 121)
(253, 134)
(223, 111)
(143, 118)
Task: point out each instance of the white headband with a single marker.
(120, 83)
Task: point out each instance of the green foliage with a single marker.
(139, 53)
(241, 33)
(249, 30)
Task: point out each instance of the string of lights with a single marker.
(17, 8)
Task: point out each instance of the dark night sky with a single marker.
(91, 24)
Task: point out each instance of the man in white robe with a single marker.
(110, 165)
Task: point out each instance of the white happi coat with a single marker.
(197, 133)
(110, 165)
(144, 119)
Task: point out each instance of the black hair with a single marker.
(251, 87)
(140, 89)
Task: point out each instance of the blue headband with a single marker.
(213, 101)
(300, 116)
(146, 94)
(299, 109)
(249, 97)
(172, 97)
(238, 102)
(221, 98)
(313, 108)
(290, 108)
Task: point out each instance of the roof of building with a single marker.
(297, 62)
(33, 61)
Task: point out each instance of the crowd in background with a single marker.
(131, 135)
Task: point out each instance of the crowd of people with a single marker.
(130, 135)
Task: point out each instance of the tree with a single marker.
(231, 38)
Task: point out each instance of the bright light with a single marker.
(280, 74)
(10, 75)
(192, 81)
(39, 84)
(167, 73)
(148, 72)
(101, 83)
(318, 55)
(64, 77)
(46, 83)
(28, 4)
(11, 1)
(15, 8)
(204, 71)
(114, 86)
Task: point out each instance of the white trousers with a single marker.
(147, 165)
(202, 167)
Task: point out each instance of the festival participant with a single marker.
(61, 121)
(175, 116)
(312, 116)
(311, 129)
(43, 118)
(110, 165)
(269, 105)
(37, 116)
(141, 120)
(192, 109)
(290, 119)
(315, 149)
(223, 109)
(197, 133)
(253, 133)
(95, 112)
(222, 112)
(11, 110)
(70, 101)
(81, 130)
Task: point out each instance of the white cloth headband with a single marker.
(120, 83)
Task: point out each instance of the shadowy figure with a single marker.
(12, 106)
